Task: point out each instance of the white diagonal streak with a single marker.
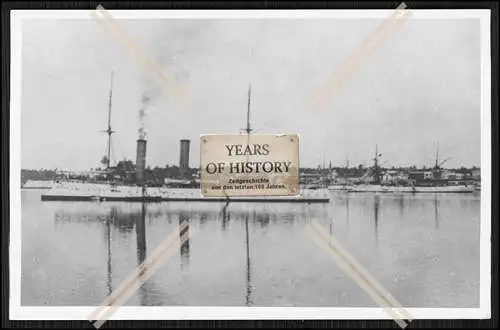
(139, 276)
(352, 63)
(154, 69)
(358, 273)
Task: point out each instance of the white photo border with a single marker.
(19, 312)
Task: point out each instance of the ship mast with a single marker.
(109, 131)
(346, 169)
(249, 129)
(437, 156)
(377, 178)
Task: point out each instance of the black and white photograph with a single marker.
(389, 203)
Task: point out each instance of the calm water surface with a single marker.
(424, 249)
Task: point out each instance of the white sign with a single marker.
(249, 165)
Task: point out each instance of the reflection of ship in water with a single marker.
(109, 279)
(376, 210)
(347, 211)
(115, 217)
(225, 215)
(436, 211)
(401, 204)
(123, 215)
(140, 230)
(184, 238)
(128, 222)
(148, 291)
(248, 296)
(262, 218)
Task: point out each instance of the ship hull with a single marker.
(34, 184)
(156, 199)
(404, 189)
(104, 193)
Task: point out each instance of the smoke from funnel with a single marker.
(147, 99)
(172, 54)
(142, 129)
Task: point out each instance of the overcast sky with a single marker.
(420, 87)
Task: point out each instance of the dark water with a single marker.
(424, 249)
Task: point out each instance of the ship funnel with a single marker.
(140, 163)
(184, 158)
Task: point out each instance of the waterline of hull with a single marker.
(102, 192)
(405, 189)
